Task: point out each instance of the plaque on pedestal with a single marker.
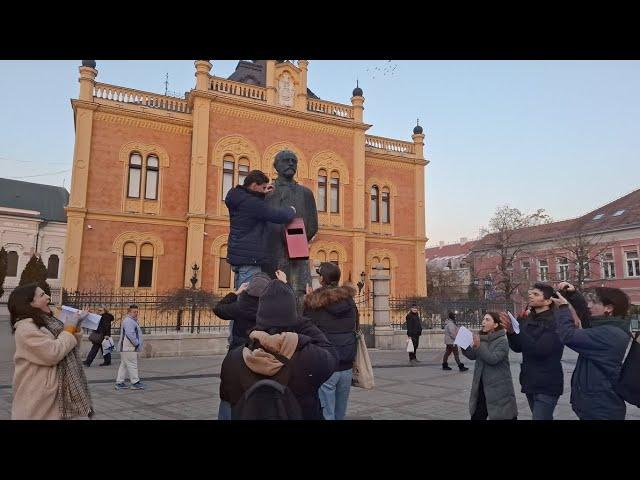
(296, 238)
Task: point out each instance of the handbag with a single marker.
(362, 368)
(96, 337)
(410, 348)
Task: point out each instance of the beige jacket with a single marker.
(35, 383)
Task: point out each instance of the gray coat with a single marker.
(492, 366)
(450, 332)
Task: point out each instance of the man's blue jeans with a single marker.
(224, 410)
(243, 273)
(542, 406)
(334, 395)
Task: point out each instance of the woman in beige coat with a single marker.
(49, 382)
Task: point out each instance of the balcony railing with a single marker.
(329, 108)
(389, 145)
(238, 89)
(137, 97)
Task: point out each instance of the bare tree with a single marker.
(504, 238)
(444, 282)
(584, 249)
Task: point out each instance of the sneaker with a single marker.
(137, 386)
(122, 386)
(446, 367)
(462, 367)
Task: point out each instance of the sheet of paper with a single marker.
(464, 338)
(514, 323)
(91, 321)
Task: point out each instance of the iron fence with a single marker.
(433, 312)
(157, 313)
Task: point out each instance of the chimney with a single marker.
(463, 240)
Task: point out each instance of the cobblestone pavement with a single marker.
(187, 388)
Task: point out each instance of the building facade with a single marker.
(150, 174)
(599, 248)
(32, 221)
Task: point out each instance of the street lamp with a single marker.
(361, 282)
(194, 279)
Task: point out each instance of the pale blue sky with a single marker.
(558, 135)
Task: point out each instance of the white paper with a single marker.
(91, 321)
(107, 346)
(514, 323)
(464, 338)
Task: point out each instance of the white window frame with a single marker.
(633, 261)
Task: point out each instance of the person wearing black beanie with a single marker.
(281, 337)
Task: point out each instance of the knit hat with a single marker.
(257, 284)
(277, 307)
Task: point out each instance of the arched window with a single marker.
(228, 167)
(321, 202)
(334, 258)
(335, 192)
(385, 214)
(224, 269)
(145, 274)
(375, 217)
(128, 272)
(151, 184)
(135, 175)
(52, 266)
(322, 256)
(12, 264)
(243, 169)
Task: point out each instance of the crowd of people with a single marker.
(294, 360)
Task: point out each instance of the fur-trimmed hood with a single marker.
(329, 296)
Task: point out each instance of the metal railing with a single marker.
(156, 315)
(433, 312)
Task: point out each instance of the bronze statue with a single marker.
(287, 193)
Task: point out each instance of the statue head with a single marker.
(286, 164)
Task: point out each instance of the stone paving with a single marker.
(187, 388)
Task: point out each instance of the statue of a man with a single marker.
(287, 193)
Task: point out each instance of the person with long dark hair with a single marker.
(49, 382)
(492, 393)
(601, 344)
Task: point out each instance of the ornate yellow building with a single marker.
(150, 173)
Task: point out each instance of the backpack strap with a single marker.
(260, 383)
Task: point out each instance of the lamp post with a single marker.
(194, 281)
(194, 278)
(361, 282)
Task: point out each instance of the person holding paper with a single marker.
(49, 382)
(450, 332)
(492, 393)
(541, 376)
(103, 331)
(130, 345)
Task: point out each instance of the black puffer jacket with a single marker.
(335, 313)
(313, 362)
(249, 214)
(242, 310)
(541, 369)
(414, 324)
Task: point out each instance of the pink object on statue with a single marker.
(296, 237)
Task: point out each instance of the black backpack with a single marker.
(267, 399)
(628, 386)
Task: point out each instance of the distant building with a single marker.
(32, 220)
(609, 237)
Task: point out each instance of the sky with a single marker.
(557, 135)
